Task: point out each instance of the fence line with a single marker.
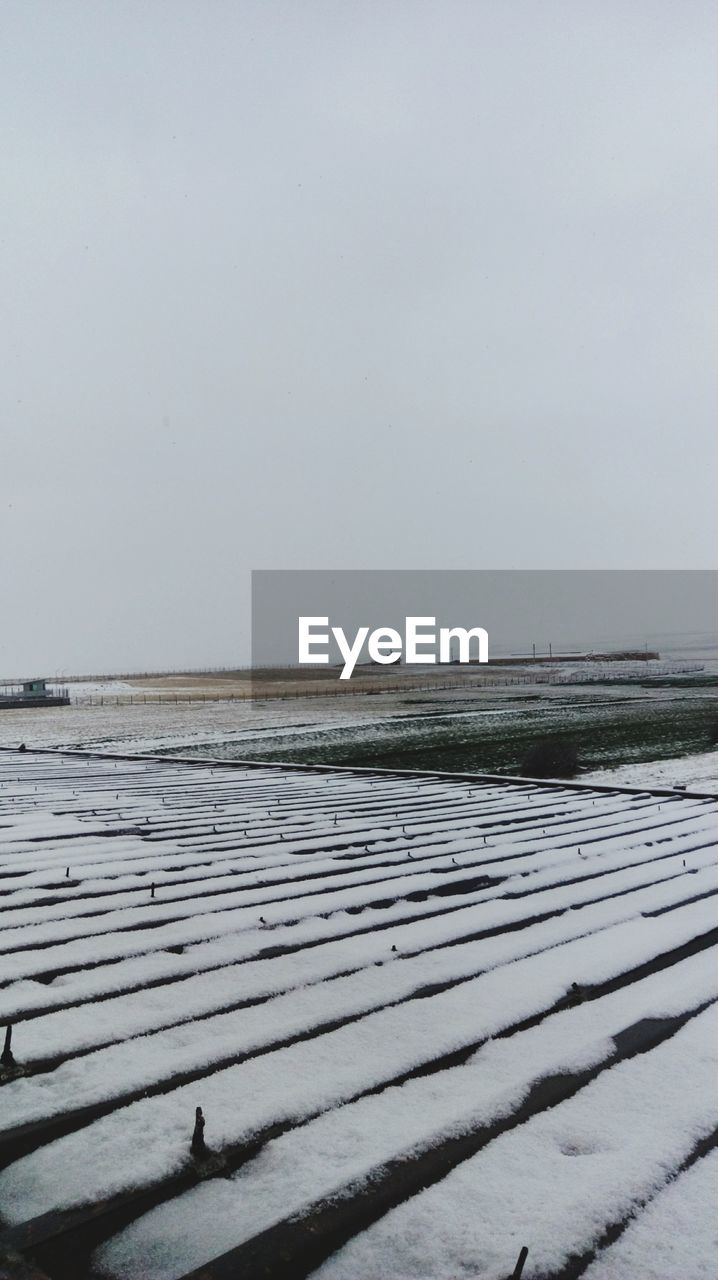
(349, 689)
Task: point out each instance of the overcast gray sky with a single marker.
(326, 284)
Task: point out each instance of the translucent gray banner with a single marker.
(533, 613)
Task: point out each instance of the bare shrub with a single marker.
(551, 758)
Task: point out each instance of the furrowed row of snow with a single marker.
(293, 1083)
(551, 854)
(27, 855)
(500, 910)
(676, 1235)
(347, 1146)
(137, 1064)
(339, 891)
(109, 880)
(311, 957)
(314, 954)
(601, 1153)
(79, 1028)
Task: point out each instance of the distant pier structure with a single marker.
(32, 693)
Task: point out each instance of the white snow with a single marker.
(349, 1144)
(557, 1181)
(317, 936)
(676, 1235)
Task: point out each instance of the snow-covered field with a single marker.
(428, 1020)
(694, 771)
(206, 727)
(634, 730)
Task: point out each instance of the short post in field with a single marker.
(6, 1057)
(198, 1147)
(518, 1269)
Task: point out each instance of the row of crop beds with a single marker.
(429, 1021)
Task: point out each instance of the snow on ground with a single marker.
(342, 969)
(696, 772)
(350, 1143)
(676, 1235)
(557, 1181)
(438, 942)
(101, 719)
(473, 1009)
(92, 688)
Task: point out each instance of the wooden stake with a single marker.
(198, 1147)
(6, 1057)
(518, 1269)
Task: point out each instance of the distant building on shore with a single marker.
(32, 693)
